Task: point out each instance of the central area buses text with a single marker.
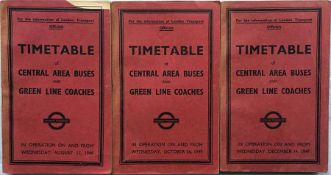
(166, 73)
(56, 73)
(274, 73)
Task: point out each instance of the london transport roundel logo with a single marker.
(273, 120)
(166, 120)
(56, 120)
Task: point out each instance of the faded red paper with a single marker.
(56, 88)
(276, 118)
(159, 127)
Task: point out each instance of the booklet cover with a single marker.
(56, 87)
(274, 88)
(166, 68)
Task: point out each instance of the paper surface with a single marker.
(56, 81)
(166, 86)
(275, 110)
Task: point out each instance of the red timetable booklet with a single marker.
(56, 87)
(166, 68)
(274, 86)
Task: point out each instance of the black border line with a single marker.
(210, 87)
(10, 64)
(318, 84)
